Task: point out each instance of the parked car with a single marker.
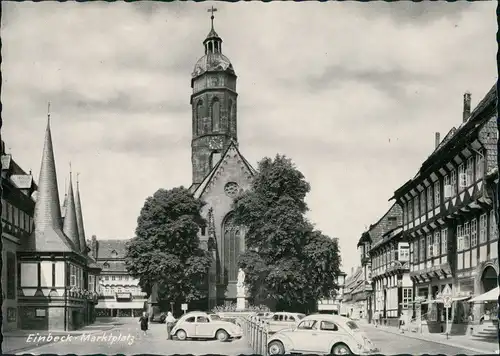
(322, 334)
(283, 320)
(265, 315)
(201, 325)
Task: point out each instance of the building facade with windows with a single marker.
(450, 217)
(54, 275)
(392, 285)
(334, 305)
(388, 222)
(17, 224)
(120, 294)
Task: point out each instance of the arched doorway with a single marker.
(489, 279)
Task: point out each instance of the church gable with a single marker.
(230, 175)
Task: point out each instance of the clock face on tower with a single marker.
(215, 143)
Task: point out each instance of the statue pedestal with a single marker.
(240, 303)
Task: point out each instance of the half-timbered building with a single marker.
(17, 223)
(57, 278)
(392, 285)
(449, 217)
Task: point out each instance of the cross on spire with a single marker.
(212, 10)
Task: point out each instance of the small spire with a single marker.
(70, 226)
(212, 10)
(48, 112)
(79, 217)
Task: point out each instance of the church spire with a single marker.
(70, 227)
(213, 43)
(79, 216)
(47, 208)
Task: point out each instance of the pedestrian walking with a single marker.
(401, 323)
(375, 318)
(143, 320)
(170, 321)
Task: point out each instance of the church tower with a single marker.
(213, 105)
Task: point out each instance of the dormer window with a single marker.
(105, 265)
(114, 254)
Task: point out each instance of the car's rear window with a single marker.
(215, 317)
(352, 325)
(301, 316)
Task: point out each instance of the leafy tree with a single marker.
(166, 248)
(286, 260)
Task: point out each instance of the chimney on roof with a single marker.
(438, 139)
(467, 97)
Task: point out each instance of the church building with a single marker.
(220, 172)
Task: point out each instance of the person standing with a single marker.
(401, 322)
(375, 318)
(170, 321)
(143, 320)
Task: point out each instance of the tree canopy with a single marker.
(166, 249)
(286, 260)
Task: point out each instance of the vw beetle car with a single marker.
(283, 320)
(201, 325)
(322, 334)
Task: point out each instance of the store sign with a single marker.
(123, 296)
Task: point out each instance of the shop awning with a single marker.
(490, 296)
(120, 305)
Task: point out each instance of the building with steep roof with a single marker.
(121, 295)
(450, 218)
(57, 278)
(220, 172)
(18, 208)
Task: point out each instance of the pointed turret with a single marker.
(47, 209)
(65, 202)
(70, 227)
(48, 235)
(79, 218)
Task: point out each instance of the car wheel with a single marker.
(221, 335)
(341, 349)
(276, 348)
(181, 335)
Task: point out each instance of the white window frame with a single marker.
(437, 243)
(423, 205)
(473, 233)
(493, 226)
(469, 170)
(460, 238)
(430, 246)
(453, 182)
(479, 164)
(466, 235)
(421, 249)
(483, 228)
(437, 194)
(444, 241)
(430, 200)
(416, 206)
(447, 187)
(72, 275)
(462, 177)
(407, 297)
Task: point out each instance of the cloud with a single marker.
(353, 92)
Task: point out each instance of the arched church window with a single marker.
(199, 115)
(215, 114)
(232, 248)
(229, 112)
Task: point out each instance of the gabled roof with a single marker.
(105, 249)
(232, 147)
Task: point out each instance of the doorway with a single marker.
(489, 279)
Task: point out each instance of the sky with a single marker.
(352, 92)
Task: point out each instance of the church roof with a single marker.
(70, 226)
(212, 62)
(48, 235)
(232, 147)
